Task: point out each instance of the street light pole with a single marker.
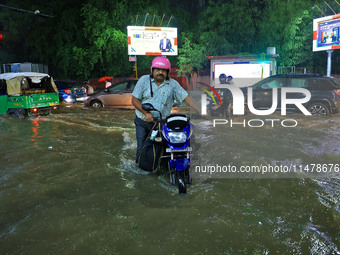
(329, 62)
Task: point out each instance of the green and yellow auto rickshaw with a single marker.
(27, 93)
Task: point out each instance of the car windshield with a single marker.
(74, 85)
(334, 84)
(302, 82)
(124, 86)
(64, 85)
(269, 83)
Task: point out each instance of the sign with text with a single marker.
(152, 40)
(326, 33)
(132, 58)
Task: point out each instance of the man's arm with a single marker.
(192, 103)
(138, 105)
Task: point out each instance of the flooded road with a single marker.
(69, 185)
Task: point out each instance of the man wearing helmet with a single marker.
(225, 110)
(159, 90)
(226, 80)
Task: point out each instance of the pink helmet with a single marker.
(161, 63)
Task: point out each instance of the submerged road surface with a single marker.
(69, 185)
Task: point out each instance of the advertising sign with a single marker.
(242, 74)
(326, 33)
(132, 58)
(152, 40)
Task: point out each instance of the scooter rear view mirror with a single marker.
(148, 107)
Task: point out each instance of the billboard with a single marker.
(326, 33)
(242, 74)
(152, 40)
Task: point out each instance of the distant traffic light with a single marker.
(0, 36)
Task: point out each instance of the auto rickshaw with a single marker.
(27, 93)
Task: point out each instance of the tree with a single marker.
(227, 28)
(287, 26)
(88, 38)
(105, 47)
(191, 55)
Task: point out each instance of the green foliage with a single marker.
(88, 38)
(297, 46)
(191, 55)
(227, 28)
(105, 47)
(288, 27)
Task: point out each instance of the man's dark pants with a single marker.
(143, 128)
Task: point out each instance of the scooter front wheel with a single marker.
(173, 178)
(182, 188)
(172, 174)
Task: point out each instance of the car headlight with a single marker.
(68, 99)
(177, 137)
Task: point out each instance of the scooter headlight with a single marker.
(177, 137)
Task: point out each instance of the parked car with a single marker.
(325, 92)
(118, 96)
(27, 93)
(71, 91)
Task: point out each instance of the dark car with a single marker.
(71, 91)
(325, 92)
(117, 96)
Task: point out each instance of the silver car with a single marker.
(116, 96)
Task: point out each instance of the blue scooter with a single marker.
(176, 130)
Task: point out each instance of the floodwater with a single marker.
(69, 185)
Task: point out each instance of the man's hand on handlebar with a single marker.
(148, 117)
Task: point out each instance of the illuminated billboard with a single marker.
(152, 40)
(326, 33)
(241, 74)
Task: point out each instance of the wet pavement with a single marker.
(69, 185)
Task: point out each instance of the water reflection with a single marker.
(86, 195)
(35, 132)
